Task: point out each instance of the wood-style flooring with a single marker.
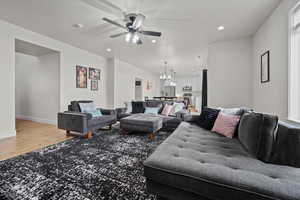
(30, 136)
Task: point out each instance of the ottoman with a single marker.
(145, 123)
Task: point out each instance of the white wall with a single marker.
(272, 97)
(230, 73)
(111, 83)
(37, 87)
(125, 75)
(69, 58)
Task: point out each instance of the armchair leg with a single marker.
(89, 135)
(151, 136)
(110, 127)
(68, 133)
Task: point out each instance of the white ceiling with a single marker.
(187, 26)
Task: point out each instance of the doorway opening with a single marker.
(37, 80)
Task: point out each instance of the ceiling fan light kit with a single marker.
(133, 27)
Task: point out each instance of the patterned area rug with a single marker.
(109, 166)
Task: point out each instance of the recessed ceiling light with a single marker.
(153, 41)
(108, 49)
(78, 25)
(221, 28)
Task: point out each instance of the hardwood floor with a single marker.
(30, 136)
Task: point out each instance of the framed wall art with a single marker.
(81, 77)
(94, 74)
(94, 85)
(265, 67)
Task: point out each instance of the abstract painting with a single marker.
(81, 77)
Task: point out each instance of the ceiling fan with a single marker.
(133, 28)
(133, 21)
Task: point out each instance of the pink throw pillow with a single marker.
(225, 124)
(167, 110)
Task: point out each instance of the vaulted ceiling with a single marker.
(187, 26)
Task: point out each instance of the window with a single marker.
(294, 64)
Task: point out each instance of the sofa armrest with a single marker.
(88, 116)
(180, 114)
(190, 118)
(120, 110)
(73, 121)
(286, 149)
(107, 111)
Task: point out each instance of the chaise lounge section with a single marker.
(194, 163)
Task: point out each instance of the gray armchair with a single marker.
(84, 124)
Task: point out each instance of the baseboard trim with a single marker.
(36, 119)
(7, 134)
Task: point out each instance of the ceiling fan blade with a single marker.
(105, 6)
(138, 21)
(151, 33)
(119, 34)
(114, 23)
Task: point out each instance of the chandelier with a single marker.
(168, 76)
(165, 75)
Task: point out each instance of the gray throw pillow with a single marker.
(257, 133)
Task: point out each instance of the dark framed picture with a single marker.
(94, 74)
(265, 67)
(81, 77)
(94, 85)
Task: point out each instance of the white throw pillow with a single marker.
(128, 107)
(231, 111)
(176, 108)
(87, 107)
(90, 108)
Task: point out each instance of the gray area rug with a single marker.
(109, 166)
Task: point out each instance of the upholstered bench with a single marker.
(194, 163)
(146, 123)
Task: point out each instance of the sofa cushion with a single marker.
(204, 163)
(138, 107)
(257, 133)
(207, 118)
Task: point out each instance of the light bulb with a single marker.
(128, 37)
(135, 38)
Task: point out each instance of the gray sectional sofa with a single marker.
(196, 164)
